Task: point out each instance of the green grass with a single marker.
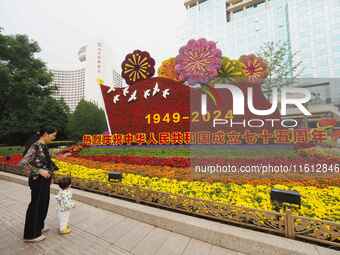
(227, 153)
(136, 152)
(10, 150)
(335, 152)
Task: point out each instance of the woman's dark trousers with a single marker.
(38, 207)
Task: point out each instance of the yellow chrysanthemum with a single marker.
(231, 69)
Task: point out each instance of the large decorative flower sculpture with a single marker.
(168, 70)
(232, 70)
(198, 62)
(255, 68)
(138, 65)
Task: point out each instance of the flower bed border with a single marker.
(288, 225)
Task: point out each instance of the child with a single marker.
(64, 205)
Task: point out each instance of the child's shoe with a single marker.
(65, 231)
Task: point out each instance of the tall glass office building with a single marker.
(310, 27)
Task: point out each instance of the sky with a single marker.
(62, 27)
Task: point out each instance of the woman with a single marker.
(39, 166)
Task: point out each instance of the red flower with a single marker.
(12, 160)
(137, 160)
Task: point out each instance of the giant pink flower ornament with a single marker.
(198, 62)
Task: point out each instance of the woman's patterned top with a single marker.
(36, 158)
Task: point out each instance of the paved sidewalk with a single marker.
(94, 231)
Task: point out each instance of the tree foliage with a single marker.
(283, 67)
(25, 91)
(87, 118)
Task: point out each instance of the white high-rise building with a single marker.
(96, 62)
(117, 79)
(70, 86)
(96, 58)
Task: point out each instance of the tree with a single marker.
(25, 91)
(87, 118)
(46, 112)
(52, 112)
(283, 69)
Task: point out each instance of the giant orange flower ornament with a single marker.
(168, 70)
(255, 68)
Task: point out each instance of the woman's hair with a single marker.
(64, 182)
(36, 136)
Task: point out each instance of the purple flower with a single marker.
(198, 61)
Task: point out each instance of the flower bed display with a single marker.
(319, 152)
(321, 203)
(143, 166)
(72, 150)
(11, 160)
(187, 152)
(187, 162)
(188, 175)
(320, 195)
(137, 160)
(238, 200)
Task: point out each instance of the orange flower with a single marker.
(167, 69)
(255, 68)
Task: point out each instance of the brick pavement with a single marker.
(94, 231)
